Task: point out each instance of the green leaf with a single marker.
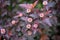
(39, 6)
(10, 8)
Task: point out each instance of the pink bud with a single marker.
(29, 33)
(3, 31)
(20, 15)
(41, 15)
(29, 19)
(28, 10)
(28, 26)
(35, 25)
(45, 2)
(13, 22)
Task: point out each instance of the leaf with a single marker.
(39, 6)
(10, 8)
